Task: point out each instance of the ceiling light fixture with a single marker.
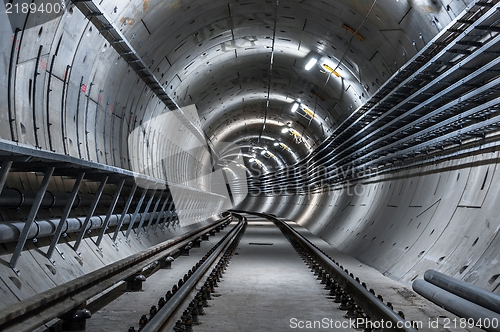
(284, 130)
(311, 63)
(295, 107)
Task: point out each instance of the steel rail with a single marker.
(408, 71)
(162, 317)
(455, 136)
(39, 309)
(414, 95)
(401, 144)
(370, 141)
(370, 304)
(26, 155)
(427, 51)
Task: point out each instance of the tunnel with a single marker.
(368, 129)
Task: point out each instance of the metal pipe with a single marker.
(10, 231)
(157, 322)
(467, 291)
(14, 198)
(458, 305)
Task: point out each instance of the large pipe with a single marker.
(490, 320)
(9, 231)
(13, 199)
(467, 291)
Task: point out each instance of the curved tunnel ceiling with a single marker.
(242, 63)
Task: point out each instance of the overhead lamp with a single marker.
(276, 144)
(295, 107)
(311, 63)
(284, 130)
(263, 152)
(251, 160)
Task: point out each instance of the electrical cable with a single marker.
(270, 70)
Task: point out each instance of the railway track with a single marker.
(367, 310)
(68, 300)
(360, 307)
(181, 305)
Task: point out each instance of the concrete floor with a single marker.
(267, 286)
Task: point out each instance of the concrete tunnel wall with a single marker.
(65, 90)
(69, 92)
(441, 216)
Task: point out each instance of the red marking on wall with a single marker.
(84, 88)
(99, 98)
(43, 64)
(111, 107)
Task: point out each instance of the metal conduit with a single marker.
(10, 231)
(31, 313)
(457, 305)
(14, 198)
(467, 291)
